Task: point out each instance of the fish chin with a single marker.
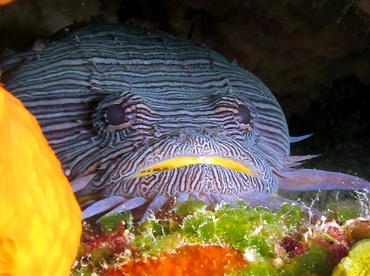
(201, 178)
(210, 183)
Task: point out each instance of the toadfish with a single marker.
(139, 117)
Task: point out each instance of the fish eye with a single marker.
(115, 115)
(245, 116)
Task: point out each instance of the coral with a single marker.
(198, 239)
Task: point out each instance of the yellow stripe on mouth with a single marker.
(178, 162)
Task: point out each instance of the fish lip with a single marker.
(182, 161)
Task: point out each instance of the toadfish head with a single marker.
(138, 116)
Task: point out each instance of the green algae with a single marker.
(199, 227)
(189, 207)
(151, 238)
(110, 222)
(258, 269)
(261, 246)
(272, 242)
(317, 260)
(343, 212)
(290, 214)
(150, 246)
(152, 228)
(234, 225)
(242, 227)
(99, 256)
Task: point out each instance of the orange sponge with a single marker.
(40, 219)
(5, 2)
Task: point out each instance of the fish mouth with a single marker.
(178, 162)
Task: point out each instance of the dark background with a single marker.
(313, 55)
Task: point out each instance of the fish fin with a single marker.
(295, 160)
(103, 205)
(81, 182)
(295, 139)
(154, 206)
(181, 198)
(309, 179)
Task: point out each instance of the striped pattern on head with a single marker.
(115, 100)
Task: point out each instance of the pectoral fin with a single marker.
(308, 180)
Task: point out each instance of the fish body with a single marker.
(138, 116)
